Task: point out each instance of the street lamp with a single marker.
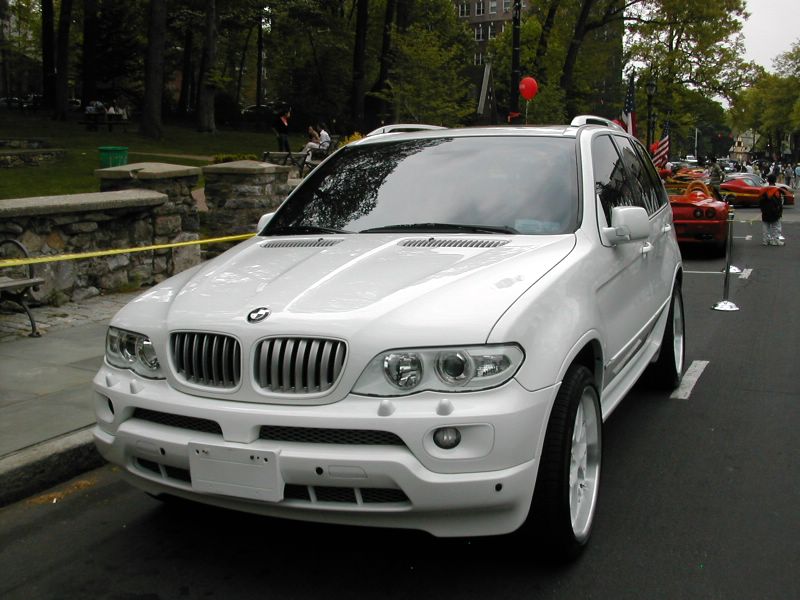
(651, 91)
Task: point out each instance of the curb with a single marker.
(34, 469)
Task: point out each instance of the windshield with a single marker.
(503, 184)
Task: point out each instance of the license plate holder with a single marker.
(240, 472)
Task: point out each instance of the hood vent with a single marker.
(316, 243)
(453, 243)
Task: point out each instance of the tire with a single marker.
(666, 372)
(565, 498)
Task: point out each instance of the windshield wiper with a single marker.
(406, 227)
(301, 229)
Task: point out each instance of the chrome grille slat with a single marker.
(297, 365)
(208, 359)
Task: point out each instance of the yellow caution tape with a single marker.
(16, 262)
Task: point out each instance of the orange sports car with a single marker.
(746, 188)
(700, 218)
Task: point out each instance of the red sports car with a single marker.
(700, 218)
(745, 189)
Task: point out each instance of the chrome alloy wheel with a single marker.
(584, 469)
(678, 333)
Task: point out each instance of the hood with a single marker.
(337, 285)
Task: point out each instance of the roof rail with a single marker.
(594, 120)
(402, 127)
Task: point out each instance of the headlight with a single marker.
(134, 351)
(408, 371)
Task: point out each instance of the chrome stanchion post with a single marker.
(725, 304)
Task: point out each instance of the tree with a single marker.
(62, 60)
(428, 81)
(48, 54)
(359, 60)
(89, 53)
(208, 84)
(151, 125)
(690, 44)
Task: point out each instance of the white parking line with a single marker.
(745, 274)
(743, 237)
(689, 379)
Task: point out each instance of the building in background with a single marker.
(487, 19)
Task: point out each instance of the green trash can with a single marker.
(113, 156)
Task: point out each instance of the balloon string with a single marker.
(527, 102)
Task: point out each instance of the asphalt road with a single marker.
(699, 498)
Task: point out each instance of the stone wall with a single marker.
(177, 219)
(237, 194)
(140, 204)
(29, 158)
(80, 223)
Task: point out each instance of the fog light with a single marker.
(447, 438)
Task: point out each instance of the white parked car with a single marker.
(428, 333)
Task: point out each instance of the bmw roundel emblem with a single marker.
(257, 315)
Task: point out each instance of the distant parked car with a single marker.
(700, 218)
(11, 102)
(744, 189)
(254, 113)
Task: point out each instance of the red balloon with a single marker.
(528, 88)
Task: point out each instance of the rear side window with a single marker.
(655, 179)
(640, 180)
(611, 183)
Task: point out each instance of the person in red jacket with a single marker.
(771, 205)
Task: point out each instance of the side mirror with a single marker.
(263, 221)
(628, 224)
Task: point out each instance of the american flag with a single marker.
(628, 117)
(661, 155)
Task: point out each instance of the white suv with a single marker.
(428, 333)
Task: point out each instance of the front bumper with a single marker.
(394, 477)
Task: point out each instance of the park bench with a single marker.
(284, 158)
(96, 122)
(16, 282)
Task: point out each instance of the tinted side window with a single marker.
(655, 179)
(610, 180)
(640, 181)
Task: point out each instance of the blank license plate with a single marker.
(239, 472)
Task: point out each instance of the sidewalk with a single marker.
(46, 408)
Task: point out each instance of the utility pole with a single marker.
(513, 102)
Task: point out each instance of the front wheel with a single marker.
(564, 501)
(666, 372)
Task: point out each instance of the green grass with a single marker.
(75, 173)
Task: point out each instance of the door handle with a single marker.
(647, 248)
(666, 228)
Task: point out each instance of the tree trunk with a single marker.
(260, 60)
(89, 59)
(359, 61)
(241, 65)
(572, 56)
(151, 125)
(205, 105)
(48, 55)
(386, 57)
(544, 38)
(62, 60)
(4, 74)
(187, 71)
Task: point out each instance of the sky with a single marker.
(773, 26)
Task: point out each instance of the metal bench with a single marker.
(14, 289)
(284, 158)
